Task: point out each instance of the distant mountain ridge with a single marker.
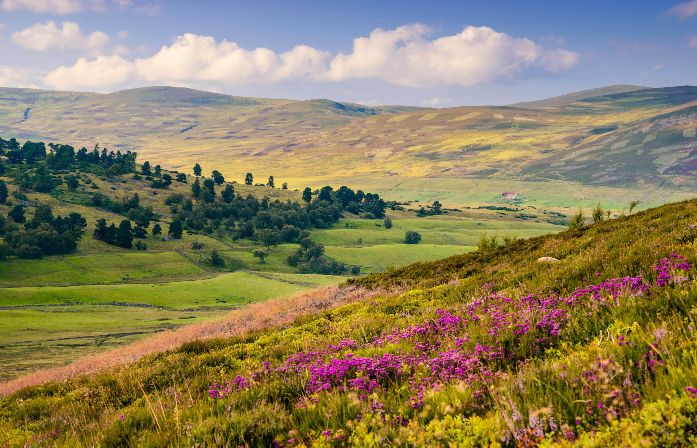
(623, 135)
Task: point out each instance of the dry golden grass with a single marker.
(260, 316)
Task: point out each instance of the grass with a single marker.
(102, 268)
(49, 325)
(377, 258)
(599, 356)
(225, 290)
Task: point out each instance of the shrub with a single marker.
(412, 237)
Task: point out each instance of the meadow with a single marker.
(488, 348)
(59, 308)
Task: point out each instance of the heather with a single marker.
(492, 348)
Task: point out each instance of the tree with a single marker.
(196, 189)
(72, 182)
(577, 221)
(140, 245)
(632, 206)
(412, 237)
(17, 214)
(176, 230)
(228, 194)
(3, 192)
(261, 255)
(325, 194)
(181, 177)
(436, 208)
(216, 259)
(140, 232)
(598, 214)
(268, 237)
(156, 230)
(307, 194)
(145, 169)
(100, 230)
(218, 178)
(197, 170)
(284, 186)
(270, 182)
(387, 223)
(249, 179)
(209, 185)
(124, 234)
(158, 170)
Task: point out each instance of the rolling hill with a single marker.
(593, 348)
(603, 144)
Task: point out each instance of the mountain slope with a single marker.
(559, 101)
(492, 348)
(626, 139)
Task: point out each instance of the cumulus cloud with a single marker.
(403, 56)
(17, 77)
(95, 74)
(684, 10)
(67, 36)
(60, 7)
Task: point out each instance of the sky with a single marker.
(435, 53)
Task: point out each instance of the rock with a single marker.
(548, 260)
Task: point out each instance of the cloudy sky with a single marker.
(437, 53)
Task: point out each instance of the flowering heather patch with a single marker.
(474, 345)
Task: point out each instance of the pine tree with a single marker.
(307, 194)
(196, 189)
(124, 234)
(175, 229)
(156, 230)
(228, 194)
(197, 170)
(249, 179)
(3, 192)
(270, 183)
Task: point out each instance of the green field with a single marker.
(43, 326)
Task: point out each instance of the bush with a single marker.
(412, 237)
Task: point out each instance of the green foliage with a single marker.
(577, 221)
(387, 223)
(412, 237)
(598, 214)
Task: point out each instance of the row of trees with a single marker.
(41, 235)
(61, 157)
(126, 232)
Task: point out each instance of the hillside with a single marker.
(238, 244)
(560, 101)
(607, 143)
(491, 348)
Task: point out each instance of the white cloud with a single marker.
(60, 7)
(684, 10)
(555, 61)
(403, 56)
(67, 36)
(17, 77)
(95, 74)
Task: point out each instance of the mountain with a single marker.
(561, 100)
(600, 143)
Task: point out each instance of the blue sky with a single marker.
(440, 53)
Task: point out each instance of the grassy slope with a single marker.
(117, 295)
(163, 399)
